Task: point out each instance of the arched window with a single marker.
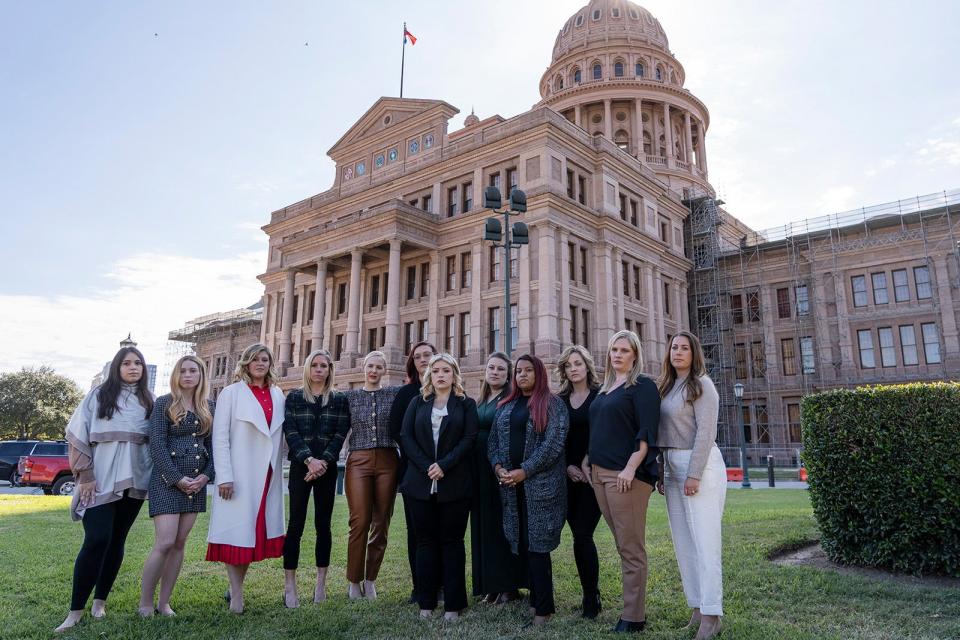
(597, 71)
(596, 14)
(576, 76)
(634, 14)
(557, 83)
(615, 12)
(647, 143)
(579, 22)
(659, 74)
(618, 68)
(639, 70)
(622, 139)
(673, 78)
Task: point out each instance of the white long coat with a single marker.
(244, 447)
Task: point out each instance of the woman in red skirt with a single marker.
(247, 521)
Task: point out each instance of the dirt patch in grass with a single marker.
(811, 554)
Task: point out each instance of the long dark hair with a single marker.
(698, 368)
(109, 391)
(412, 374)
(540, 398)
(485, 390)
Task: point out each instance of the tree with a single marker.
(36, 403)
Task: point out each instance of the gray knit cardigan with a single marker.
(545, 487)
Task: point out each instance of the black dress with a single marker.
(177, 450)
(495, 568)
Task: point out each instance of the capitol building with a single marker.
(625, 232)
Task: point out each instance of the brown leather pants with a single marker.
(371, 487)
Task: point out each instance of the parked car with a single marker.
(10, 452)
(47, 467)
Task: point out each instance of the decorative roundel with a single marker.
(392, 154)
(597, 118)
(386, 120)
(414, 146)
(621, 116)
(428, 141)
(348, 173)
(361, 168)
(379, 160)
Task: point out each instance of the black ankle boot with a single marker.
(591, 606)
(625, 626)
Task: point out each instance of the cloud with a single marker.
(835, 199)
(146, 294)
(937, 151)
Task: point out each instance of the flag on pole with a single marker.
(407, 34)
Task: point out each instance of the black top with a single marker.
(622, 419)
(518, 430)
(578, 437)
(405, 394)
(458, 431)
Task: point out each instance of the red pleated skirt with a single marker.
(264, 547)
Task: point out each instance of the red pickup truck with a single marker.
(47, 467)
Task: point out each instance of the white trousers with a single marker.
(695, 527)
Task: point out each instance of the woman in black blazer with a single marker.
(439, 430)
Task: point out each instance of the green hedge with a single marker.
(884, 473)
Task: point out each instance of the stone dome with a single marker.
(601, 21)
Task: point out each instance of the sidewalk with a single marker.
(762, 484)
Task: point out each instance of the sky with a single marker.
(144, 144)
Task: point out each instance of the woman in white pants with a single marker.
(693, 478)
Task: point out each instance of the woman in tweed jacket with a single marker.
(316, 421)
(526, 450)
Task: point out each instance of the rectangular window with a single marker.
(570, 179)
(493, 321)
(467, 197)
(634, 218)
(740, 361)
(636, 282)
(514, 262)
(865, 342)
(753, 306)
(279, 312)
(793, 420)
(736, 308)
(859, 284)
(747, 423)
(338, 346)
(626, 278)
(763, 424)
(788, 356)
(664, 227)
(449, 333)
(908, 345)
(803, 300)
(494, 264)
(583, 265)
(623, 207)
(451, 273)
(464, 346)
(427, 203)
(408, 336)
(423, 329)
(296, 308)
(311, 305)
(758, 359)
(879, 281)
(514, 327)
(574, 317)
(495, 180)
(666, 300)
(921, 277)
(572, 260)
(341, 299)
(424, 279)
(901, 288)
(931, 342)
(808, 361)
(585, 328)
(411, 282)
(511, 181)
(582, 186)
(466, 270)
(452, 202)
(888, 353)
(374, 291)
(783, 303)
(372, 339)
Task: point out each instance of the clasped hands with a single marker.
(315, 469)
(511, 478)
(191, 486)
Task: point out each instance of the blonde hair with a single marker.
(375, 354)
(176, 412)
(609, 375)
(242, 375)
(327, 385)
(428, 390)
(565, 385)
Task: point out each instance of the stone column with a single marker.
(823, 347)
(688, 133)
(477, 349)
(352, 346)
(548, 343)
(661, 315)
(565, 258)
(524, 341)
(620, 318)
(652, 314)
(319, 304)
(393, 348)
(578, 116)
(684, 306)
(603, 294)
(286, 321)
(607, 120)
(702, 149)
(948, 318)
(638, 129)
(668, 135)
(328, 317)
(655, 131)
(848, 363)
(433, 313)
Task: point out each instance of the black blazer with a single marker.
(458, 432)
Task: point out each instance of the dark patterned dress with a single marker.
(177, 450)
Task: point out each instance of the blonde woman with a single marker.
(439, 430)
(622, 465)
(316, 421)
(247, 522)
(370, 476)
(182, 453)
(694, 478)
(578, 389)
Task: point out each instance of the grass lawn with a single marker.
(38, 544)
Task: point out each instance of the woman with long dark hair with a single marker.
(497, 577)
(110, 458)
(578, 389)
(417, 361)
(316, 422)
(693, 478)
(182, 454)
(439, 430)
(526, 453)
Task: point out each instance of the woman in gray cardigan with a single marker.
(526, 450)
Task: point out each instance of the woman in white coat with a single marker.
(247, 522)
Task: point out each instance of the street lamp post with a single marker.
(511, 237)
(744, 464)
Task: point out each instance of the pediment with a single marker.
(387, 113)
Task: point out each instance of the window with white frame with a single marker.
(931, 342)
(888, 352)
(908, 345)
(865, 342)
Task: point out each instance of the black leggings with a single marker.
(105, 530)
(583, 514)
(324, 493)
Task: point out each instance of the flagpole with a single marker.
(403, 56)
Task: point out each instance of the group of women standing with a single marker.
(519, 462)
